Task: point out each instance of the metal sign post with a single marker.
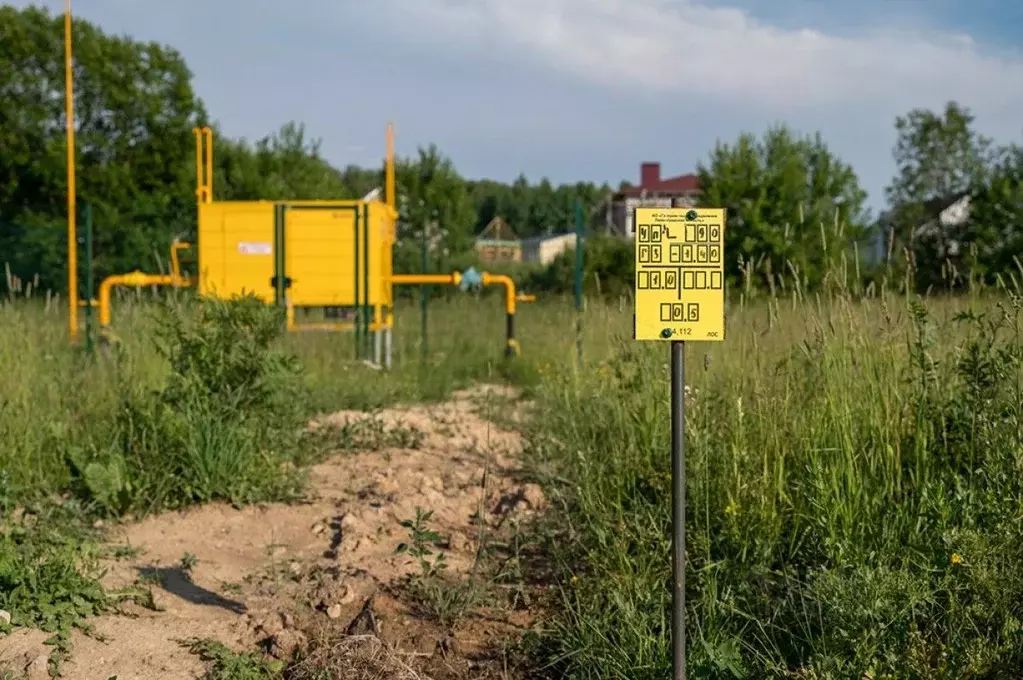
(679, 293)
(90, 330)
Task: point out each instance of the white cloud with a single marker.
(676, 47)
(579, 89)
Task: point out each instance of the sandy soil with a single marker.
(281, 576)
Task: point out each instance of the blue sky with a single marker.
(587, 89)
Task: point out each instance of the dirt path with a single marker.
(283, 576)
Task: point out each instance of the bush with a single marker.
(609, 268)
(225, 425)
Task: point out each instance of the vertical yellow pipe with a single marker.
(389, 168)
(208, 131)
(199, 187)
(72, 235)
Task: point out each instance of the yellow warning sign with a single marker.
(680, 274)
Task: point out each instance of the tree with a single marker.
(534, 210)
(134, 109)
(939, 157)
(285, 165)
(993, 236)
(792, 204)
(433, 197)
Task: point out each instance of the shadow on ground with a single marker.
(177, 581)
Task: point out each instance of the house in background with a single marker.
(653, 191)
(942, 216)
(947, 214)
(498, 243)
(543, 249)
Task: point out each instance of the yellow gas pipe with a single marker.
(203, 164)
(134, 279)
(453, 279)
(176, 262)
(511, 344)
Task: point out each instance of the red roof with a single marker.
(652, 183)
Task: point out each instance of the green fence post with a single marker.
(89, 329)
(367, 339)
(424, 291)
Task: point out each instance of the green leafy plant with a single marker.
(445, 598)
(227, 664)
(421, 539)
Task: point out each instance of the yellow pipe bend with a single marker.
(176, 262)
(134, 279)
(487, 279)
(509, 289)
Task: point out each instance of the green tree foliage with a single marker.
(609, 268)
(534, 210)
(432, 196)
(993, 236)
(939, 157)
(285, 164)
(135, 108)
(792, 205)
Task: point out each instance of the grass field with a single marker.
(855, 469)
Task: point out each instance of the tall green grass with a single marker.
(854, 506)
(854, 462)
(191, 385)
(189, 401)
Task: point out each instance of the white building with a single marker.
(543, 249)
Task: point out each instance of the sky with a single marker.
(587, 89)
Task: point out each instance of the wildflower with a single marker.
(731, 508)
(574, 579)
(957, 558)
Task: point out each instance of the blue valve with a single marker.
(471, 280)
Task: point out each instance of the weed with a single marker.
(195, 401)
(446, 599)
(367, 433)
(226, 664)
(150, 577)
(49, 578)
(421, 539)
(232, 588)
(124, 552)
(852, 507)
(188, 562)
(854, 469)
